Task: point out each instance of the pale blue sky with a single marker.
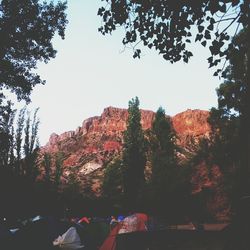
(90, 73)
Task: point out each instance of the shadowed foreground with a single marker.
(173, 240)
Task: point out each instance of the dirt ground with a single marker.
(182, 237)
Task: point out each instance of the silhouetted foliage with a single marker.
(72, 189)
(59, 168)
(7, 115)
(47, 167)
(169, 26)
(112, 183)
(168, 187)
(230, 146)
(134, 154)
(19, 142)
(31, 146)
(163, 154)
(226, 147)
(19, 139)
(26, 30)
(231, 93)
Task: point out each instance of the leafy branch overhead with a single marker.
(26, 30)
(169, 26)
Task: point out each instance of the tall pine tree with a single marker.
(134, 155)
(163, 150)
(167, 178)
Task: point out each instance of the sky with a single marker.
(92, 72)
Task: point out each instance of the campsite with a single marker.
(135, 231)
(124, 125)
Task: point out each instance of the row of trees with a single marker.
(27, 28)
(147, 175)
(169, 27)
(19, 142)
(225, 148)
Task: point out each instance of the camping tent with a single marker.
(39, 233)
(133, 223)
(69, 240)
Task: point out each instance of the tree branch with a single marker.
(226, 19)
(231, 23)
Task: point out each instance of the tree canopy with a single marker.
(168, 26)
(26, 30)
(228, 121)
(231, 93)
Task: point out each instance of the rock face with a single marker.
(190, 127)
(100, 138)
(208, 179)
(97, 140)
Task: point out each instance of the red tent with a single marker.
(132, 223)
(84, 219)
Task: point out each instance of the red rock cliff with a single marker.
(105, 131)
(99, 139)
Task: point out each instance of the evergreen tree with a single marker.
(72, 190)
(134, 155)
(59, 168)
(112, 183)
(163, 148)
(170, 26)
(166, 178)
(7, 115)
(47, 162)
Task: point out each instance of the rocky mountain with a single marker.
(87, 150)
(99, 139)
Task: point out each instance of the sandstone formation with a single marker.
(99, 139)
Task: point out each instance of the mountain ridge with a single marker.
(99, 139)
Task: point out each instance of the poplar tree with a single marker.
(165, 174)
(7, 115)
(19, 139)
(134, 154)
(31, 145)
